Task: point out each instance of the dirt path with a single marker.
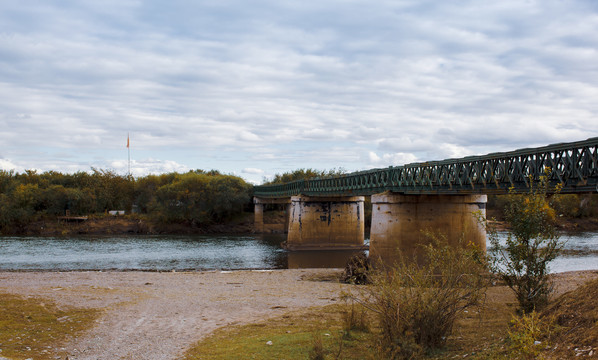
(159, 315)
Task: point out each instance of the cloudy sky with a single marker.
(256, 88)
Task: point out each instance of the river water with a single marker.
(208, 252)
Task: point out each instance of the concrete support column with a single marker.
(399, 220)
(258, 219)
(259, 225)
(287, 219)
(326, 223)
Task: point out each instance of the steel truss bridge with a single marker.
(573, 165)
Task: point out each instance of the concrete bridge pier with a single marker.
(258, 222)
(398, 222)
(326, 223)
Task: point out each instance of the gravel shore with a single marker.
(149, 315)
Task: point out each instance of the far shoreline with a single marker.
(108, 225)
(134, 224)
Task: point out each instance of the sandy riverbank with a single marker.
(148, 315)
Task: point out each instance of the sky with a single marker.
(256, 88)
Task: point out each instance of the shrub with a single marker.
(355, 319)
(568, 205)
(575, 205)
(357, 270)
(525, 334)
(417, 304)
(317, 351)
(532, 242)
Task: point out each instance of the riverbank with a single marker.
(564, 224)
(148, 315)
(131, 225)
(243, 224)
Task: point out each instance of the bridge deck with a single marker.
(574, 165)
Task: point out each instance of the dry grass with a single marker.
(568, 328)
(482, 330)
(297, 335)
(574, 316)
(35, 328)
(481, 333)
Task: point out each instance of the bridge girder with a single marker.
(573, 165)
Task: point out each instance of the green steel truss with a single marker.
(574, 165)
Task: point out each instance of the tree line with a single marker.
(195, 198)
(303, 174)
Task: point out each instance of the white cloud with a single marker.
(150, 166)
(390, 159)
(8, 165)
(248, 136)
(252, 171)
(278, 86)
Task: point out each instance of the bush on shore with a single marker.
(195, 198)
(532, 243)
(417, 303)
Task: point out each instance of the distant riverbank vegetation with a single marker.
(302, 174)
(574, 212)
(186, 202)
(194, 198)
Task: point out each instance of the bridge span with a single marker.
(328, 213)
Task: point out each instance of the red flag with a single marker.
(127, 140)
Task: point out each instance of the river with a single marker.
(208, 252)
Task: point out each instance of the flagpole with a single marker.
(129, 153)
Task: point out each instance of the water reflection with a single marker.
(319, 258)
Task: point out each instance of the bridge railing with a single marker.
(574, 165)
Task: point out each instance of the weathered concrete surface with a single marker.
(258, 217)
(320, 258)
(398, 222)
(326, 223)
(259, 225)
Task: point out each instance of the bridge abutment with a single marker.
(326, 223)
(399, 222)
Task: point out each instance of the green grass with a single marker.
(292, 336)
(36, 328)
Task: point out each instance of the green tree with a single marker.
(6, 180)
(196, 197)
(199, 198)
(228, 196)
(532, 243)
(81, 201)
(146, 189)
(55, 200)
(301, 174)
(19, 206)
(112, 191)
